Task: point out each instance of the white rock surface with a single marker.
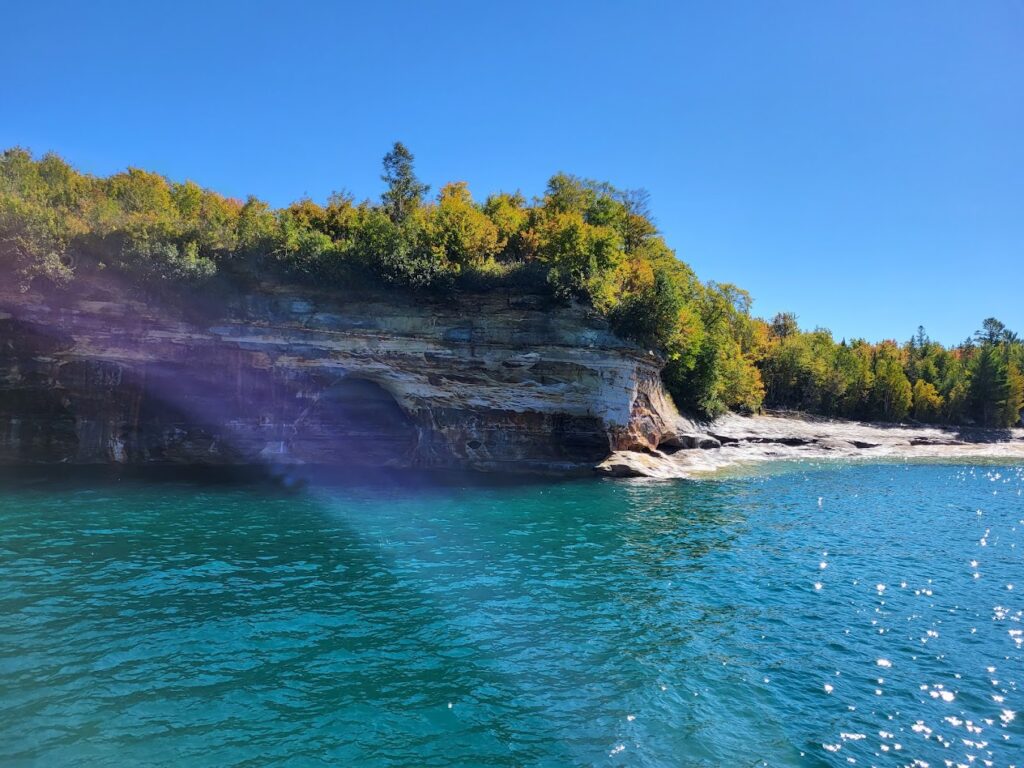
(750, 440)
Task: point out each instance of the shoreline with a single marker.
(732, 441)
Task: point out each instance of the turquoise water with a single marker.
(823, 615)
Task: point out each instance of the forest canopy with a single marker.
(581, 240)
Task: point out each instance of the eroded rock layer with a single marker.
(279, 377)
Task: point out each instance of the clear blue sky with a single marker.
(859, 163)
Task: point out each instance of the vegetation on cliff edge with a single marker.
(582, 240)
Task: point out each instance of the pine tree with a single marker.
(404, 192)
(989, 385)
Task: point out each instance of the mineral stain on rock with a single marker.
(286, 376)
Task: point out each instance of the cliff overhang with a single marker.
(278, 376)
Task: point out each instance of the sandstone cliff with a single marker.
(281, 376)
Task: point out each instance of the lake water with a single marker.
(816, 616)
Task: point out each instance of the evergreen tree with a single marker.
(405, 192)
(989, 385)
(992, 331)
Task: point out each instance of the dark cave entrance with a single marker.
(364, 425)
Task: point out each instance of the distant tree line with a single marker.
(980, 381)
(582, 240)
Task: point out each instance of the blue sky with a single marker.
(858, 163)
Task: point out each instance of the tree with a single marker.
(404, 192)
(740, 385)
(142, 192)
(579, 255)
(457, 230)
(34, 242)
(1010, 414)
(892, 392)
(927, 401)
(784, 324)
(568, 194)
(651, 314)
(989, 385)
(992, 331)
(509, 214)
(858, 378)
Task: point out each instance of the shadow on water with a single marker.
(268, 478)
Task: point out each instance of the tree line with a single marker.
(980, 381)
(581, 240)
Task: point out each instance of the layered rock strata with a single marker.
(274, 376)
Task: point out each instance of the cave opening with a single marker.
(364, 424)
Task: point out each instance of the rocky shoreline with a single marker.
(701, 450)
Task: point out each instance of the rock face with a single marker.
(295, 376)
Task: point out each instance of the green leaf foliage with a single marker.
(582, 241)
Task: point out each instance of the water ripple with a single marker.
(826, 615)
